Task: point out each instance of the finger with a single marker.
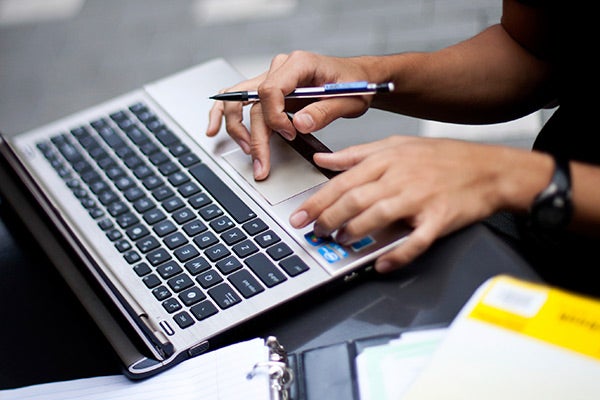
(319, 114)
(314, 206)
(415, 244)
(348, 208)
(347, 158)
(259, 143)
(364, 210)
(215, 117)
(234, 123)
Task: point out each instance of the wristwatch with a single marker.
(552, 208)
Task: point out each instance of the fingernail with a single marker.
(320, 231)
(286, 134)
(304, 122)
(257, 167)
(299, 219)
(342, 237)
(383, 266)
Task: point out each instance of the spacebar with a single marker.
(225, 196)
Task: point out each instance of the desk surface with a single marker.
(47, 335)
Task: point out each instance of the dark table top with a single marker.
(47, 335)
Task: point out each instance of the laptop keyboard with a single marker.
(191, 240)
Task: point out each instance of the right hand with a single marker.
(286, 73)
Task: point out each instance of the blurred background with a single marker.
(60, 56)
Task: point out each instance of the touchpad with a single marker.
(290, 173)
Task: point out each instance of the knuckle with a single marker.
(383, 210)
(355, 200)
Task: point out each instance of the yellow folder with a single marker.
(517, 340)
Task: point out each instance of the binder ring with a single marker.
(280, 376)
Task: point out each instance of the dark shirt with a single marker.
(565, 259)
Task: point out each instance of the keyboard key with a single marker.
(209, 278)
(162, 193)
(158, 256)
(187, 160)
(245, 248)
(197, 265)
(194, 227)
(178, 178)
(266, 271)
(172, 204)
(204, 310)
(126, 220)
(255, 226)
(217, 252)
(178, 149)
(175, 240)
(132, 257)
(186, 253)
(293, 265)
(182, 216)
(154, 216)
(223, 194)
(166, 137)
(199, 200)
(169, 269)
(224, 296)
(183, 319)
(144, 204)
(191, 296)
(168, 168)
(221, 224)
(228, 265)
(171, 305)
(210, 211)
(161, 292)
(279, 251)
(180, 283)
(245, 283)
(188, 189)
(164, 228)
(142, 269)
(266, 239)
(122, 245)
(147, 244)
(205, 240)
(233, 236)
(137, 232)
(151, 281)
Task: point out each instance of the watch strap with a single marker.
(552, 208)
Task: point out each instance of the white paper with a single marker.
(217, 375)
(386, 371)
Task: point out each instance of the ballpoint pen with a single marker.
(328, 90)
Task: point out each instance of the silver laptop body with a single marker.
(215, 262)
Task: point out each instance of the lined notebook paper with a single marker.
(217, 375)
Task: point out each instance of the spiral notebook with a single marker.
(257, 368)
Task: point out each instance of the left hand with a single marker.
(434, 185)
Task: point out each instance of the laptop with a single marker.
(162, 232)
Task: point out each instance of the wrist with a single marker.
(524, 174)
(552, 208)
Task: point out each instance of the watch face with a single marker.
(552, 212)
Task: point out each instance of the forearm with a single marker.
(522, 174)
(488, 78)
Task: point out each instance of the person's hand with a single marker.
(436, 186)
(286, 73)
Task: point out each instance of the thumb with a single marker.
(319, 114)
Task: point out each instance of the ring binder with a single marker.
(277, 368)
